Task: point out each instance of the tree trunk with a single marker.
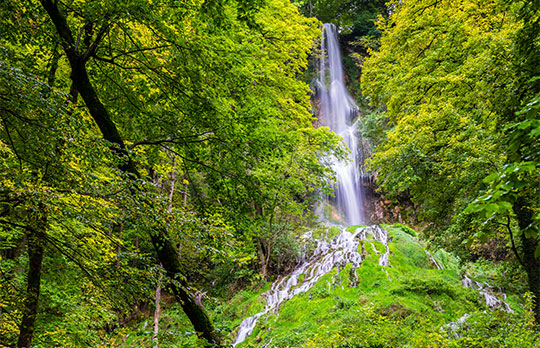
(53, 66)
(263, 258)
(31, 302)
(156, 314)
(81, 82)
(532, 267)
(531, 263)
(196, 314)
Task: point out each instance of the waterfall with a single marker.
(337, 111)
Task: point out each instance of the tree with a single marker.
(355, 17)
(444, 136)
(512, 193)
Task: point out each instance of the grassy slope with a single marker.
(408, 311)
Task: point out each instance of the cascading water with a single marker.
(488, 292)
(337, 111)
(337, 253)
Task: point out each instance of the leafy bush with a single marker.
(494, 329)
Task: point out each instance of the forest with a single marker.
(269, 173)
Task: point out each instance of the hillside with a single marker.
(408, 303)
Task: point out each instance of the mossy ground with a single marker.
(409, 307)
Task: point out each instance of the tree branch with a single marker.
(514, 249)
(112, 59)
(25, 227)
(80, 34)
(92, 49)
(171, 140)
(61, 25)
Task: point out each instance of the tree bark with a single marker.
(157, 312)
(263, 258)
(31, 302)
(532, 267)
(81, 82)
(531, 263)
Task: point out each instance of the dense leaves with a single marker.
(438, 73)
(459, 83)
(126, 120)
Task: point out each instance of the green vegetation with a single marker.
(413, 309)
(409, 311)
(160, 161)
(458, 83)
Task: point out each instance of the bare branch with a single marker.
(92, 49)
(80, 34)
(172, 140)
(127, 53)
(514, 248)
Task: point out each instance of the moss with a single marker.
(353, 228)
(428, 285)
(447, 260)
(405, 229)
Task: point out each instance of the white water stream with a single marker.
(488, 293)
(483, 289)
(337, 110)
(492, 301)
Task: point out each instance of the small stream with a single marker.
(488, 292)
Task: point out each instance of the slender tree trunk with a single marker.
(31, 302)
(137, 252)
(53, 66)
(156, 314)
(169, 259)
(263, 258)
(532, 267)
(119, 248)
(186, 188)
(173, 184)
(82, 84)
